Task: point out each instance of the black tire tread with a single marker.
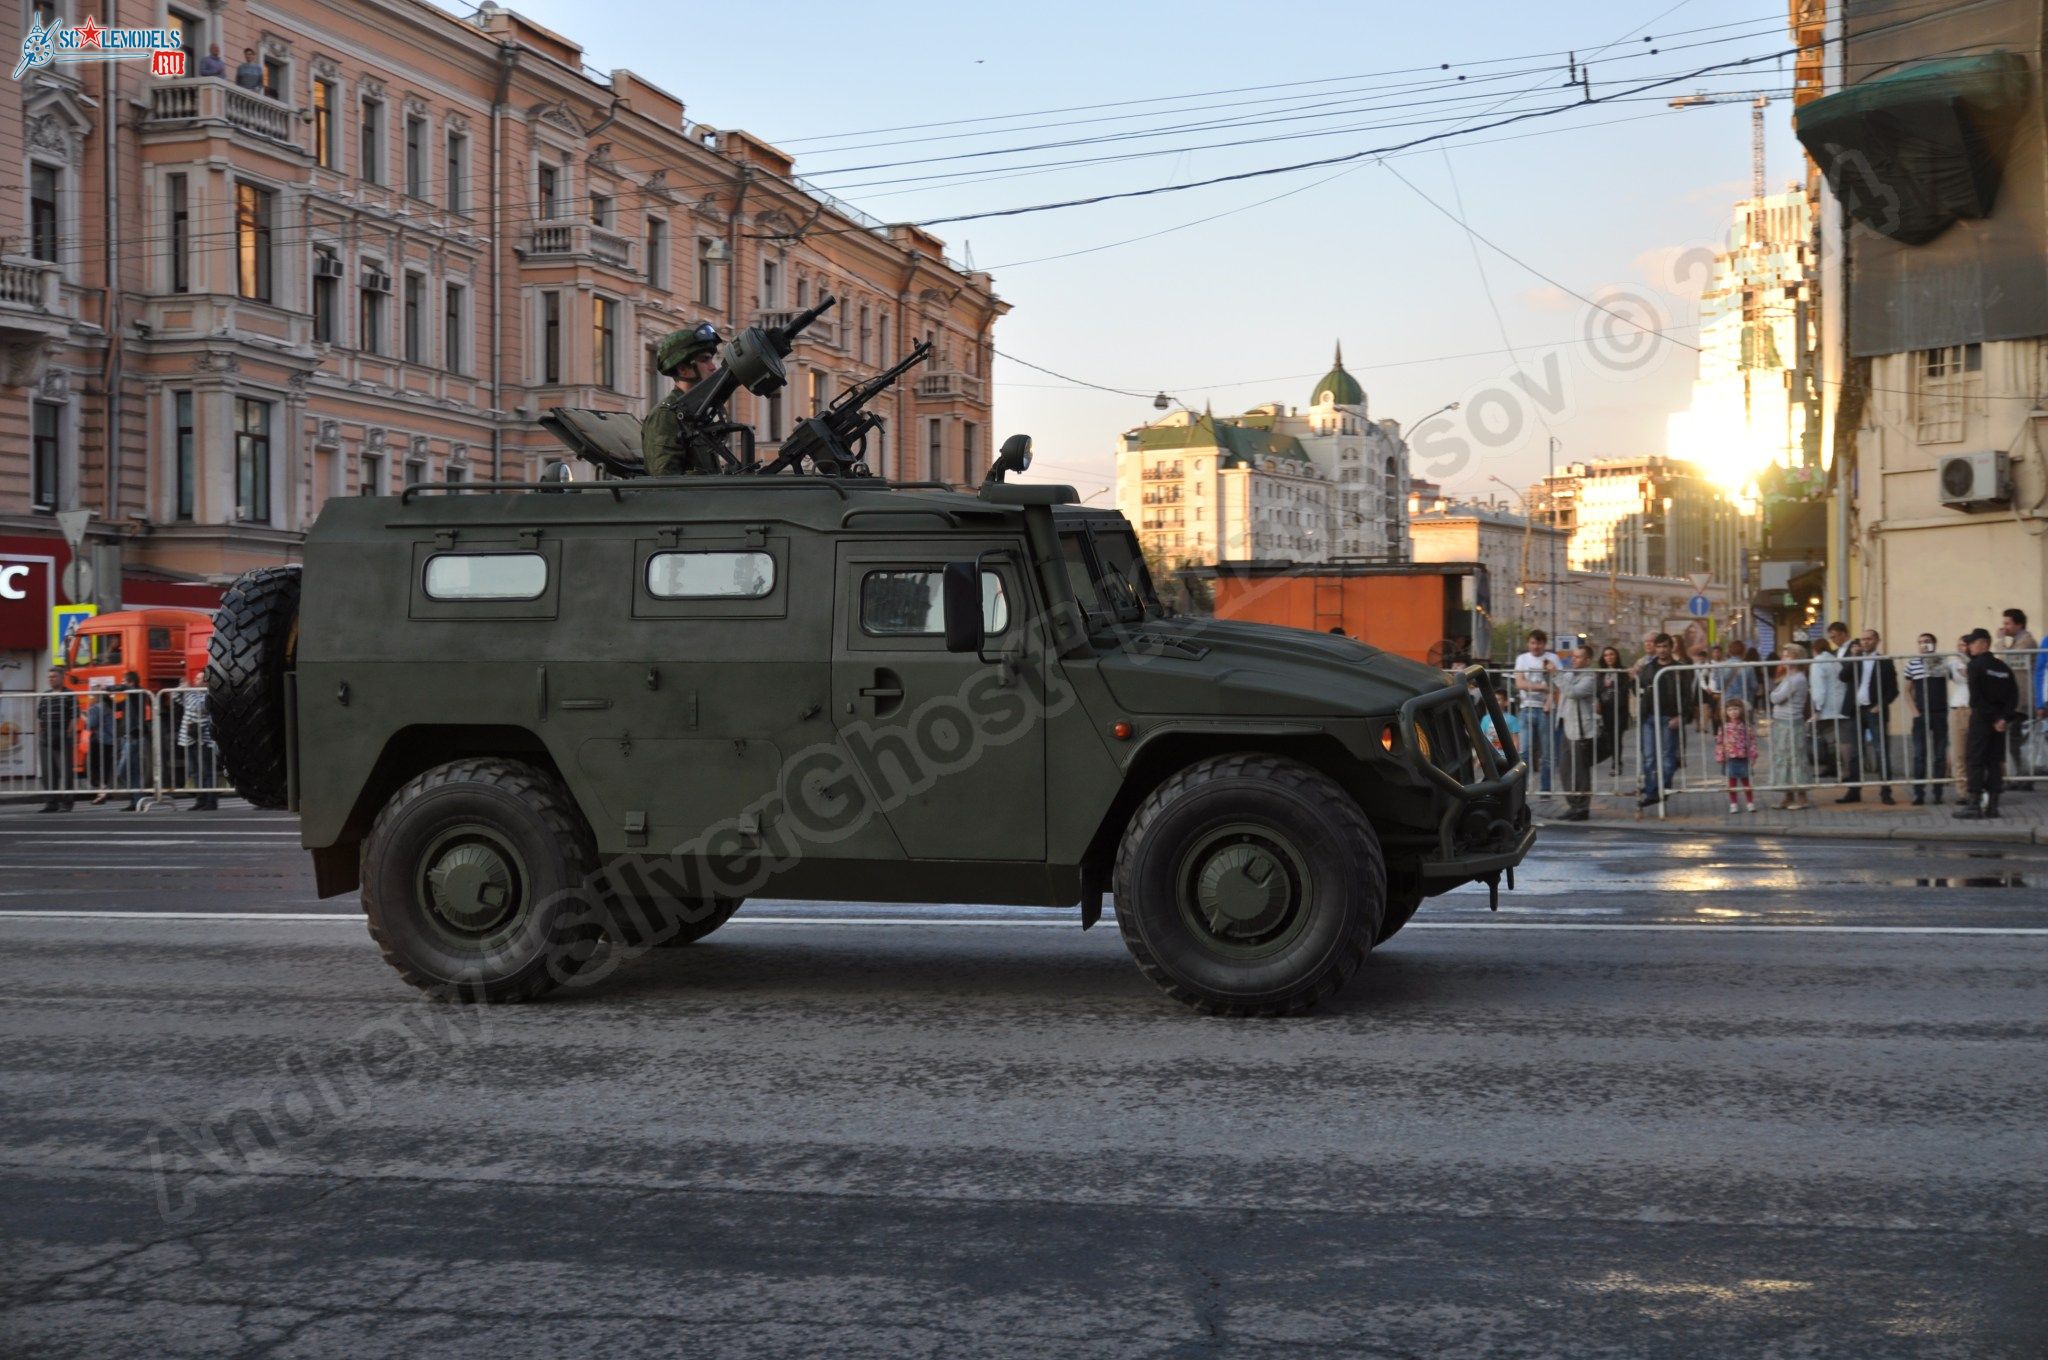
(555, 807)
(246, 662)
(1312, 784)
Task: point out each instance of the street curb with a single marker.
(1942, 835)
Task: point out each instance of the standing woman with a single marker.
(1614, 714)
(1791, 758)
(1578, 716)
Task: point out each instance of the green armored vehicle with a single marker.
(539, 727)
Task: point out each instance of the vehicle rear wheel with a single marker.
(476, 882)
(1250, 885)
(254, 647)
(1404, 895)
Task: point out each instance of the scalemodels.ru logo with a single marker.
(55, 45)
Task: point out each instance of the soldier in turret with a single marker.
(689, 357)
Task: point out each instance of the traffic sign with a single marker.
(64, 618)
(1700, 579)
(1699, 606)
(78, 579)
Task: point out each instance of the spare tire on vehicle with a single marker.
(255, 646)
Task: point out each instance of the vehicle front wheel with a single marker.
(476, 882)
(1250, 885)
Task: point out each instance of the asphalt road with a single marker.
(1679, 1096)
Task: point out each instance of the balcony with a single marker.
(824, 331)
(948, 387)
(210, 100)
(567, 240)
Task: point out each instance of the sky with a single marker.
(1581, 230)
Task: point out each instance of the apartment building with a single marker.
(221, 305)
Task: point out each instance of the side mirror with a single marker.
(960, 590)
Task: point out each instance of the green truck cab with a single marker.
(538, 727)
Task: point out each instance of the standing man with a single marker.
(688, 357)
(1994, 700)
(1535, 699)
(249, 75)
(1660, 710)
(1958, 671)
(1831, 698)
(1578, 714)
(56, 717)
(212, 63)
(1874, 684)
(2014, 637)
(1927, 699)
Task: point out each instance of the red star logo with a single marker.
(89, 33)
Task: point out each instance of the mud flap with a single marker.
(1091, 909)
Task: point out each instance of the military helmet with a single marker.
(679, 347)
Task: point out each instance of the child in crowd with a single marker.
(1735, 748)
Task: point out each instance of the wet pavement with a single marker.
(1700, 1094)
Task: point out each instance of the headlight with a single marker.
(1390, 737)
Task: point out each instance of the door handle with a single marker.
(886, 694)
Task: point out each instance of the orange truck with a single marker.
(165, 647)
(1411, 609)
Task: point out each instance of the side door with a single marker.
(948, 748)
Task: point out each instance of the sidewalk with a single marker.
(2022, 820)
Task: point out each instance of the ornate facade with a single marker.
(221, 306)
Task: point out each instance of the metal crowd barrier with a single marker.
(119, 747)
(1843, 745)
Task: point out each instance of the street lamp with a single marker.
(1447, 406)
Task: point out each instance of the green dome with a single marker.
(1342, 387)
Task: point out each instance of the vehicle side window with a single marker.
(710, 575)
(895, 603)
(486, 576)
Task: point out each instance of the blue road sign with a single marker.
(1699, 606)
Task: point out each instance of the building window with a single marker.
(184, 467)
(458, 172)
(253, 206)
(935, 449)
(548, 199)
(252, 460)
(771, 285)
(455, 474)
(324, 149)
(414, 320)
(803, 293)
(415, 155)
(454, 314)
(819, 384)
(370, 154)
(707, 272)
(772, 411)
(657, 253)
(882, 332)
(191, 37)
(372, 483)
(277, 78)
(43, 212)
(550, 337)
(326, 294)
(604, 340)
(601, 209)
(865, 323)
(969, 436)
(46, 456)
(1951, 361)
(415, 471)
(178, 208)
(370, 308)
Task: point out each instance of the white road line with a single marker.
(1069, 923)
(136, 831)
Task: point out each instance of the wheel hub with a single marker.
(1243, 888)
(472, 887)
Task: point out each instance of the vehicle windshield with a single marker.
(1108, 576)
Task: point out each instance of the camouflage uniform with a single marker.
(663, 449)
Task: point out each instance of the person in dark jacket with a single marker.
(132, 731)
(1994, 705)
(1873, 683)
(1661, 710)
(56, 718)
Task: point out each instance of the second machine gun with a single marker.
(832, 441)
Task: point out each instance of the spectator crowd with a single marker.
(1845, 712)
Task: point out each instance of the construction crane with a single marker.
(1756, 129)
